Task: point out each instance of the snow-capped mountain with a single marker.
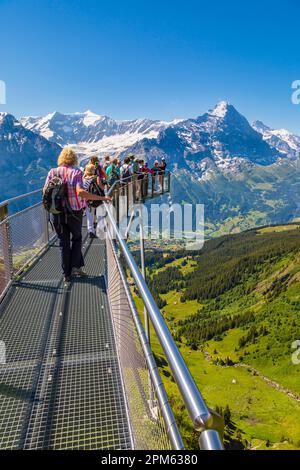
(245, 175)
(221, 138)
(281, 139)
(25, 157)
(92, 133)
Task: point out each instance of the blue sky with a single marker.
(159, 59)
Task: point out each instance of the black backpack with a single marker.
(94, 188)
(126, 173)
(54, 195)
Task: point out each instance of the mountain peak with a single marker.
(88, 112)
(259, 126)
(220, 110)
(8, 118)
(2, 116)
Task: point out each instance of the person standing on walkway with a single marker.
(68, 223)
(93, 208)
(113, 172)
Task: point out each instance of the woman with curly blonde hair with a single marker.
(67, 157)
(68, 224)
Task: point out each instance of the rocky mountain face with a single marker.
(221, 138)
(92, 133)
(285, 142)
(244, 174)
(25, 157)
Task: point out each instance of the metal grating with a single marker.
(148, 427)
(61, 387)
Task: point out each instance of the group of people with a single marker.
(113, 169)
(85, 190)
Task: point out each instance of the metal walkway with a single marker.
(76, 366)
(61, 387)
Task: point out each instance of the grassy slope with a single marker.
(261, 412)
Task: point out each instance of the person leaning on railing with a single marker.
(69, 223)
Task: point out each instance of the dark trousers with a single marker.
(69, 231)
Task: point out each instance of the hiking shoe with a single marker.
(79, 272)
(93, 235)
(67, 280)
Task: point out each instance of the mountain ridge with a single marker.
(25, 157)
(221, 135)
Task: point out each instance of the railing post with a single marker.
(117, 205)
(6, 243)
(46, 226)
(163, 183)
(127, 199)
(210, 440)
(146, 314)
(152, 184)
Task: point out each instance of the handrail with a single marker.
(203, 418)
(18, 198)
(168, 416)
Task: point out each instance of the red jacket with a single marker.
(145, 169)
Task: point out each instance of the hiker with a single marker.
(106, 162)
(162, 169)
(63, 197)
(134, 169)
(90, 184)
(125, 172)
(146, 172)
(140, 178)
(113, 172)
(155, 167)
(146, 169)
(99, 171)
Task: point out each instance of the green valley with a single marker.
(236, 201)
(233, 308)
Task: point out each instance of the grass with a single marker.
(264, 417)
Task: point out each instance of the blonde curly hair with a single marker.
(67, 157)
(90, 170)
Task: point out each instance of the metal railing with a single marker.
(152, 422)
(23, 235)
(137, 189)
(205, 420)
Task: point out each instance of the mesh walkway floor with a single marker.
(61, 386)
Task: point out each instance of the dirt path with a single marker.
(270, 382)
